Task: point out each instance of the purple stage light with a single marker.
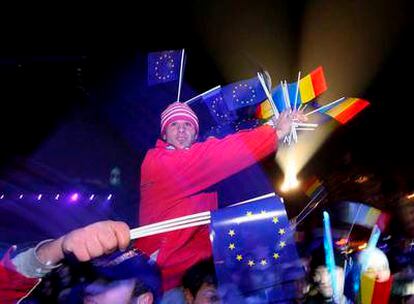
(57, 196)
(74, 197)
(39, 197)
(21, 196)
(109, 197)
(91, 197)
(2, 196)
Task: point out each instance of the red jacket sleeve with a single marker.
(13, 285)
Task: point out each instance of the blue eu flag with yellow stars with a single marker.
(243, 93)
(218, 108)
(163, 66)
(254, 252)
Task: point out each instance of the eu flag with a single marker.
(219, 131)
(247, 123)
(243, 93)
(254, 249)
(163, 66)
(218, 108)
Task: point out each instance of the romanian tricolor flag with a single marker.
(313, 186)
(310, 86)
(374, 292)
(346, 110)
(364, 215)
(264, 110)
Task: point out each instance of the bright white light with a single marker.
(291, 182)
(2, 196)
(39, 197)
(20, 196)
(109, 197)
(57, 196)
(91, 197)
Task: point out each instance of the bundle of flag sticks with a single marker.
(187, 221)
(296, 126)
(192, 220)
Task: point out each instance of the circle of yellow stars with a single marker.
(215, 108)
(254, 123)
(165, 59)
(244, 86)
(263, 262)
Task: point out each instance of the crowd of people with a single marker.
(101, 265)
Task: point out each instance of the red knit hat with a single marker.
(178, 111)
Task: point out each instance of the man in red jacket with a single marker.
(175, 174)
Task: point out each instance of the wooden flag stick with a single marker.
(316, 200)
(286, 99)
(181, 75)
(325, 106)
(297, 92)
(269, 95)
(173, 224)
(305, 129)
(304, 124)
(170, 224)
(139, 234)
(347, 238)
(295, 134)
(271, 194)
(285, 92)
(304, 108)
(202, 94)
(177, 220)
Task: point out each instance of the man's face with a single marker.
(207, 294)
(180, 133)
(323, 281)
(120, 292)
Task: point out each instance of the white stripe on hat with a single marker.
(176, 111)
(179, 112)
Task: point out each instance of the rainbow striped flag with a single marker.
(346, 110)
